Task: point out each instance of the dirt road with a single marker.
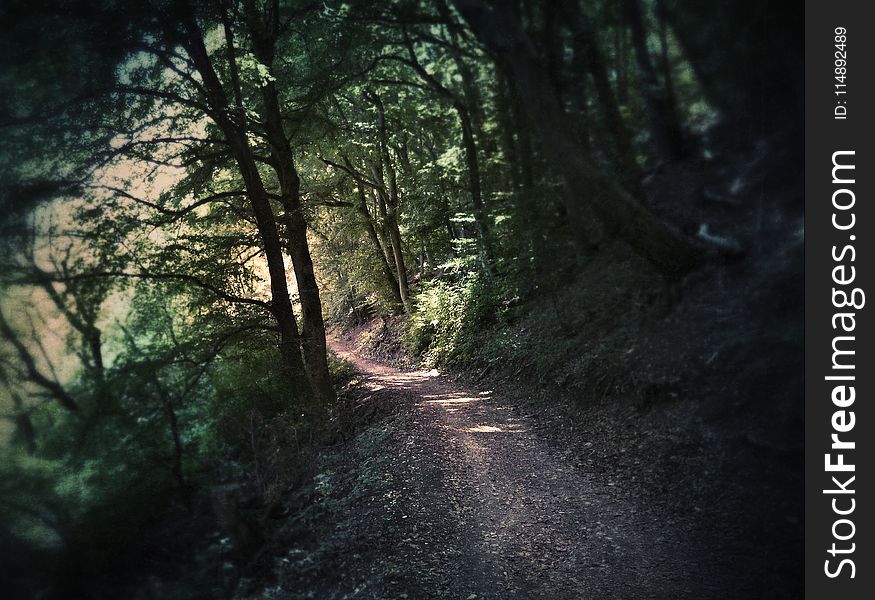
(466, 500)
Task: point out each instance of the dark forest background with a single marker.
(598, 199)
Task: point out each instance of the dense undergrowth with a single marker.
(91, 522)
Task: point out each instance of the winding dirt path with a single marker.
(483, 507)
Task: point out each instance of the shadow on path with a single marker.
(488, 509)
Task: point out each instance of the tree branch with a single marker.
(182, 277)
(349, 170)
(168, 211)
(54, 388)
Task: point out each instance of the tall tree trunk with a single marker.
(529, 218)
(281, 303)
(387, 192)
(523, 128)
(312, 321)
(506, 126)
(756, 80)
(664, 59)
(393, 232)
(470, 92)
(383, 211)
(398, 253)
(473, 163)
(265, 220)
(382, 257)
(596, 204)
(178, 452)
(264, 29)
(584, 44)
(665, 126)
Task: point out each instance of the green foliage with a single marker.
(342, 372)
(27, 492)
(247, 382)
(449, 317)
(91, 504)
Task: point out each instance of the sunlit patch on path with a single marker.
(491, 510)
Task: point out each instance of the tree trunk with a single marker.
(312, 321)
(473, 163)
(178, 451)
(382, 257)
(393, 234)
(388, 193)
(504, 113)
(383, 231)
(281, 304)
(523, 128)
(471, 94)
(264, 30)
(662, 114)
(584, 44)
(398, 253)
(596, 204)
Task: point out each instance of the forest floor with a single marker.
(458, 495)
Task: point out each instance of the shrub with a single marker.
(448, 318)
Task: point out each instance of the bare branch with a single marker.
(55, 389)
(175, 213)
(181, 277)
